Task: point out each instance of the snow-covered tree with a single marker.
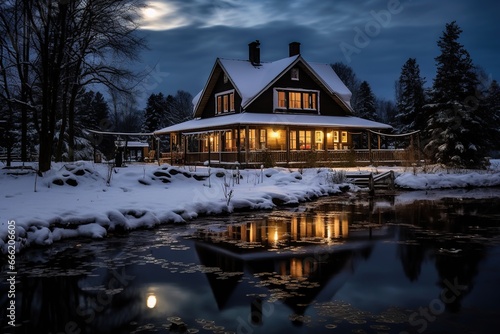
(410, 98)
(454, 125)
(366, 105)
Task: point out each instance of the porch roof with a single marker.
(243, 119)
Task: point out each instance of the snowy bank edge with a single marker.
(44, 233)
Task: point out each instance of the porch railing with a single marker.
(343, 157)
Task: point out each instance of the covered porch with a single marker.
(252, 140)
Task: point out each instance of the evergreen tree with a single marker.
(410, 98)
(492, 103)
(366, 105)
(154, 114)
(454, 124)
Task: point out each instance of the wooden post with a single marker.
(238, 144)
(370, 146)
(287, 140)
(209, 148)
(185, 149)
(247, 146)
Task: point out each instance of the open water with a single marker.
(336, 265)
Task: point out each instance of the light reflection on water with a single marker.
(333, 265)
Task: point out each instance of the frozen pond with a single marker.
(335, 265)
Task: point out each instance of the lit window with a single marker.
(344, 136)
(224, 102)
(293, 140)
(305, 140)
(219, 104)
(335, 136)
(226, 106)
(281, 99)
(295, 100)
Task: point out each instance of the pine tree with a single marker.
(454, 124)
(492, 103)
(410, 98)
(154, 114)
(366, 106)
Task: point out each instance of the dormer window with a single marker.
(224, 102)
(296, 100)
(294, 73)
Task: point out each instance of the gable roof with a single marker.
(251, 81)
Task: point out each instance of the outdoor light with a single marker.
(276, 133)
(151, 302)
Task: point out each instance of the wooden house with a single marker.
(286, 111)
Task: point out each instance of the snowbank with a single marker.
(90, 200)
(83, 199)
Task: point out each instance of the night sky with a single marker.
(374, 37)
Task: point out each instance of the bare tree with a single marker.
(72, 43)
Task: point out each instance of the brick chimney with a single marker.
(294, 49)
(254, 52)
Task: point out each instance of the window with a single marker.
(224, 102)
(251, 139)
(282, 103)
(309, 99)
(226, 105)
(335, 136)
(305, 140)
(344, 136)
(294, 73)
(263, 139)
(297, 100)
(228, 145)
(293, 140)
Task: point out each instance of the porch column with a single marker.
(238, 144)
(247, 132)
(158, 148)
(325, 144)
(185, 149)
(287, 141)
(370, 146)
(220, 146)
(209, 148)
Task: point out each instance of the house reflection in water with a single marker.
(308, 256)
(279, 232)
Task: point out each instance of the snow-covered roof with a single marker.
(137, 144)
(250, 80)
(344, 122)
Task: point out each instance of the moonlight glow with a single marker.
(151, 302)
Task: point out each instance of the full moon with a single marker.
(150, 13)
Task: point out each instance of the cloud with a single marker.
(186, 36)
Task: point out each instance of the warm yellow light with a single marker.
(151, 302)
(276, 134)
(329, 134)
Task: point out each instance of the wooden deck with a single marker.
(293, 158)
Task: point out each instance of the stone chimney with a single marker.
(254, 52)
(294, 49)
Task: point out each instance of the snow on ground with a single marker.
(90, 200)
